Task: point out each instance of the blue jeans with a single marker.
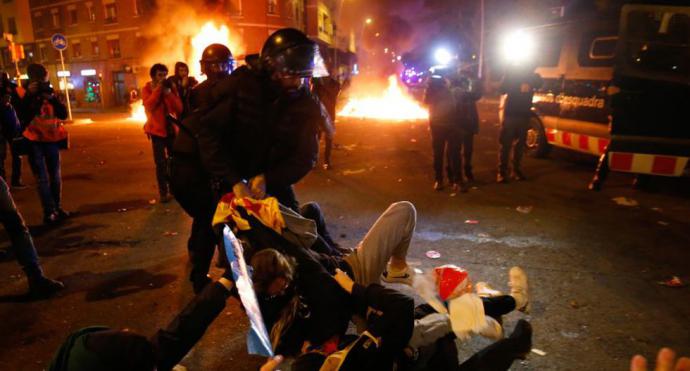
(45, 164)
(22, 244)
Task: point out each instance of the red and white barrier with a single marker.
(578, 142)
(640, 163)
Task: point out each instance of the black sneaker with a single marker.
(64, 214)
(501, 178)
(518, 175)
(51, 218)
(43, 287)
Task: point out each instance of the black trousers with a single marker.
(16, 162)
(446, 140)
(178, 338)
(513, 137)
(162, 150)
(192, 189)
(466, 148)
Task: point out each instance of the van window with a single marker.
(658, 42)
(603, 47)
(597, 50)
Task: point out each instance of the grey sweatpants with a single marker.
(390, 236)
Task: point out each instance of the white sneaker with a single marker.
(485, 291)
(519, 289)
(493, 330)
(406, 276)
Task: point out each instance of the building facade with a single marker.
(15, 21)
(103, 37)
(106, 38)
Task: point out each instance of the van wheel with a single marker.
(537, 145)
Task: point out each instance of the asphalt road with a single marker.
(593, 264)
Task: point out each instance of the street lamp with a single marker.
(368, 21)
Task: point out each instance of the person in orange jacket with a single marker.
(160, 99)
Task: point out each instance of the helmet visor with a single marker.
(300, 61)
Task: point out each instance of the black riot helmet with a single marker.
(289, 51)
(216, 61)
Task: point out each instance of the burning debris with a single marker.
(394, 104)
(180, 32)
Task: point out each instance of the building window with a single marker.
(95, 48)
(73, 17)
(114, 48)
(272, 7)
(90, 12)
(110, 13)
(55, 17)
(76, 49)
(38, 16)
(43, 52)
(11, 26)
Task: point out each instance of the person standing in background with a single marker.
(160, 99)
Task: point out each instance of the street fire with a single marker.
(137, 112)
(207, 34)
(393, 105)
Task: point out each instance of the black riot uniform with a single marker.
(262, 127)
(518, 86)
(190, 183)
(247, 125)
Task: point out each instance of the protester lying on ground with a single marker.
(390, 325)
(665, 361)
(454, 312)
(101, 348)
(448, 291)
(292, 281)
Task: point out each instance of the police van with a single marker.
(620, 89)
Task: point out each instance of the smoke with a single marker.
(178, 31)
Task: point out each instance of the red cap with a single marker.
(449, 279)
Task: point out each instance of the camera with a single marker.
(168, 83)
(44, 87)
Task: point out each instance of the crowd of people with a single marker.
(251, 133)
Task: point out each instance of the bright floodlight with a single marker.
(518, 47)
(443, 56)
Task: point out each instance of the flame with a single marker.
(393, 105)
(208, 34)
(137, 112)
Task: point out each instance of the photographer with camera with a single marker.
(160, 100)
(41, 114)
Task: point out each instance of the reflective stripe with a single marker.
(641, 163)
(578, 142)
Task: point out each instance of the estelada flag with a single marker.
(266, 211)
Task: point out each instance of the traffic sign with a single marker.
(59, 41)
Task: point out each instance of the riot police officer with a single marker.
(263, 136)
(190, 183)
